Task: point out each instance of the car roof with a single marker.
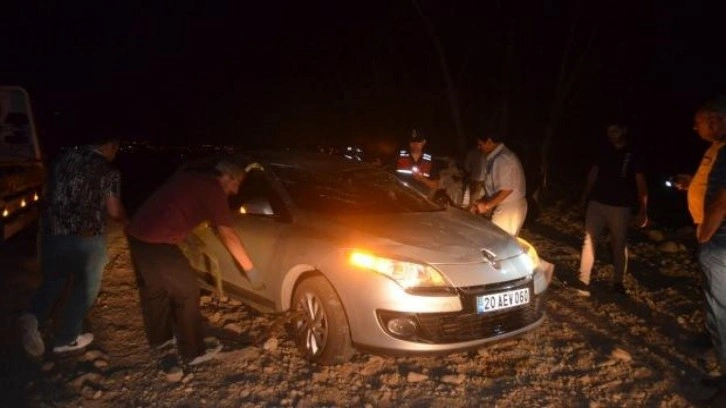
(308, 160)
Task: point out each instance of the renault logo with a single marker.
(490, 258)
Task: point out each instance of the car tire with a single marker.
(321, 329)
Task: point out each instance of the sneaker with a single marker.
(581, 288)
(208, 355)
(619, 289)
(80, 342)
(30, 336)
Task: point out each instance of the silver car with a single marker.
(363, 261)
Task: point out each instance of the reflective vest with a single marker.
(406, 165)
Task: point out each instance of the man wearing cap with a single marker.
(504, 185)
(167, 282)
(417, 164)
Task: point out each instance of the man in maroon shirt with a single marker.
(167, 283)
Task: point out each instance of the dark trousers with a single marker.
(169, 296)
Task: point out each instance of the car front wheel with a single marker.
(321, 327)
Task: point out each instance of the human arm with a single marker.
(589, 182)
(115, 209)
(432, 184)
(641, 218)
(713, 217)
(682, 181)
(486, 205)
(234, 245)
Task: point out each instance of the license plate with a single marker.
(502, 300)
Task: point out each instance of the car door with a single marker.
(261, 220)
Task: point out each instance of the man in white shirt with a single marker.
(504, 185)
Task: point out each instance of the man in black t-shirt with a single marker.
(615, 186)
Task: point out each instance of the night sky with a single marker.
(286, 73)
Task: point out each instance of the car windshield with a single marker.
(352, 192)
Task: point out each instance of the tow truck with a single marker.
(22, 173)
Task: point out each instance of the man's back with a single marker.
(80, 182)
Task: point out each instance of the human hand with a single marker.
(255, 277)
(682, 181)
(641, 220)
(483, 207)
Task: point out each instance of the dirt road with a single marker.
(602, 351)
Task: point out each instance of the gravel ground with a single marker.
(606, 350)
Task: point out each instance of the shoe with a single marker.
(30, 336)
(581, 288)
(169, 343)
(208, 355)
(80, 342)
(619, 289)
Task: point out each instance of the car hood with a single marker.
(442, 237)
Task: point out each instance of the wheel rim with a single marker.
(312, 326)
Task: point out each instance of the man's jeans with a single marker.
(75, 261)
(597, 217)
(712, 258)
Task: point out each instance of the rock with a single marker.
(47, 366)
(413, 377)
(234, 302)
(205, 300)
(668, 247)
(175, 374)
(86, 378)
(88, 392)
(92, 355)
(453, 379)
(271, 344)
(655, 235)
(100, 363)
(320, 377)
(233, 327)
(621, 354)
(642, 373)
(215, 318)
(391, 379)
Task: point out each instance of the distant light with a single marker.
(23, 203)
(36, 197)
(6, 212)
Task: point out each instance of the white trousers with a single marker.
(510, 216)
(616, 219)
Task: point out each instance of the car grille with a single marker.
(469, 325)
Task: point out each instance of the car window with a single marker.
(351, 192)
(257, 196)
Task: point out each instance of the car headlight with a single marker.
(406, 274)
(531, 253)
